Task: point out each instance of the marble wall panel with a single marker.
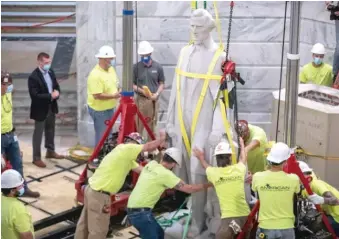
(256, 44)
(178, 29)
(21, 56)
(183, 8)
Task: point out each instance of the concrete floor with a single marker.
(57, 190)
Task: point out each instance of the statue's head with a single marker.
(202, 24)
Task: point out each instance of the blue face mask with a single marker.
(113, 62)
(145, 59)
(317, 60)
(21, 191)
(9, 88)
(46, 67)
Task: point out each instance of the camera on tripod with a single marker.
(333, 8)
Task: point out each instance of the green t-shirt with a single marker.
(152, 182)
(276, 191)
(317, 75)
(15, 218)
(112, 171)
(256, 159)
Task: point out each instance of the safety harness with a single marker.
(207, 78)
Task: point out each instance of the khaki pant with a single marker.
(225, 232)
(149, 109)
(93, 222)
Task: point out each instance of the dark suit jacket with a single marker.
(41, 98)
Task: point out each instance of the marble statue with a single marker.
(196, 58)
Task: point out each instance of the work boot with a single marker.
(39, 163)
(30, 194)
(53, 155)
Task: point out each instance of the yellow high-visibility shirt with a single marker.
(276, 191)
(229, 183)
(101, 81)
(152, 182)
(6, 113)
(321, 75)
(15, 218)
(256, 159)
(112, 171)
(320, 187)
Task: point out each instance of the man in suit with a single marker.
(44, 91)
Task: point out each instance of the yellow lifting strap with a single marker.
(227, 130)
(198, 76)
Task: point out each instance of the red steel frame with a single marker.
(292, 166)
(128, 111)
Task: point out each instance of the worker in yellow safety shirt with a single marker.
(276, 190)
(229, 181)
(102, 90)
(255, 145)
(108, 179)
(317, 72)
(154, 179)
(324, 194)
(16, 221)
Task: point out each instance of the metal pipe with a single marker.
(127, 45)
(294, 71)
(292, 80)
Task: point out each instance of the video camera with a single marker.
(333, 8)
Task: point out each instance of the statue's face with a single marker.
(200, 32)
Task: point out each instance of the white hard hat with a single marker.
(304, 167)
(279, 153)
(145, 48)
(175, 154)
(222, 148)
(318, 49)
(105, 52)
(11, 179)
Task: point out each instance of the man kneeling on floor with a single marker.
(154, 179)
(16, 221)
(229, 183)
(108, 179)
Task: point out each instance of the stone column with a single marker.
(95, 27)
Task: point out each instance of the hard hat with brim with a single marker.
(145, 48)
(11, 179)
(105, 52)
(304, 167)
(280, 152)
(175, 154)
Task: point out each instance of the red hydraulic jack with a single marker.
(128, 111)
(292, 166)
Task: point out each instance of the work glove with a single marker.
(316, 199)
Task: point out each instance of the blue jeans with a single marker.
(334, 224)
(276, 234)
(146, 224)
(10, 148)
(99, 118)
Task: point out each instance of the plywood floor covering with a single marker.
(57, 190)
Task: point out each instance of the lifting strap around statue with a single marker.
(227, 129)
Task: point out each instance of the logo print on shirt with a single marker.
(154, 71)
(222, 180)
(268, 187)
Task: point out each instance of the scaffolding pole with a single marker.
(292, 76)
(127, 45)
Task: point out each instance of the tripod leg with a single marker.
(122, 124)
